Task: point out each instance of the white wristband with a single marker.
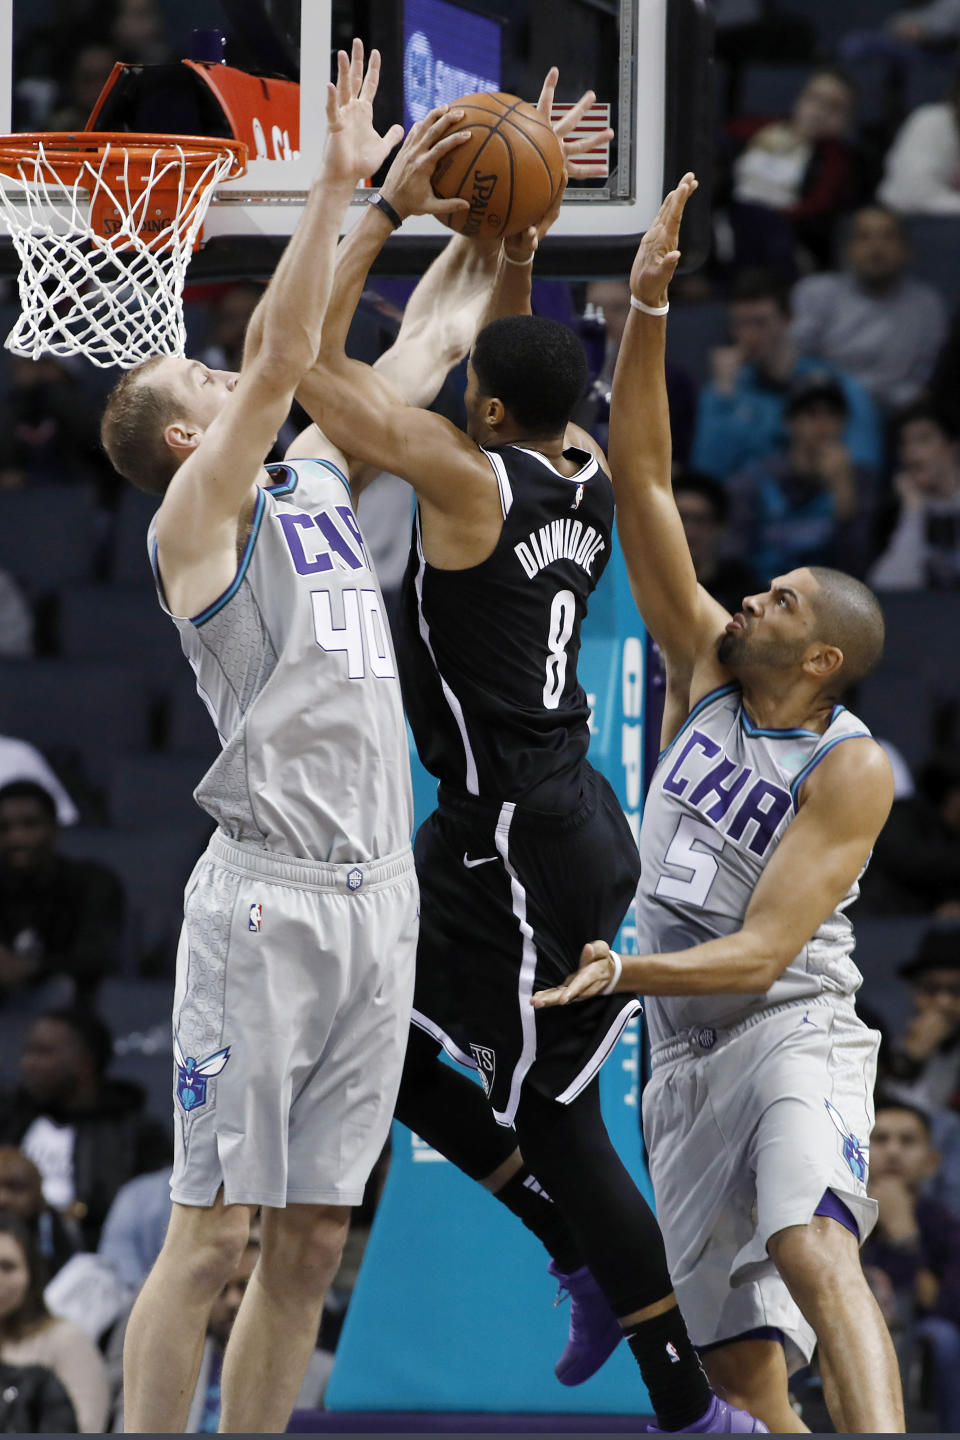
(617, 972)
(517, 262)
(649, 309)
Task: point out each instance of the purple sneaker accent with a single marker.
(719, 1418)
(594, 1330)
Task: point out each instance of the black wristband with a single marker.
(382, 203)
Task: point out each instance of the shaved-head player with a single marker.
(761, 816)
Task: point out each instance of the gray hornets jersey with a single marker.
(721, 798)
(295, 664)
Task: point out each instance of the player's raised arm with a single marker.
(441, 315)
(221, 461)
(406, 191)
(680, 615)
(468, 284)
(358, 408)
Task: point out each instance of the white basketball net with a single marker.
(118, 300)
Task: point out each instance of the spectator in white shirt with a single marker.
(922, 168)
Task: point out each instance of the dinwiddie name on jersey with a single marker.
(559, 540)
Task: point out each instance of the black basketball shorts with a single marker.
(508, 898)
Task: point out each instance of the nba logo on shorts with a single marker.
(256, 918)
(354, 878)
(486, 1066)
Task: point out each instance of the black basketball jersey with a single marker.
(489, 660)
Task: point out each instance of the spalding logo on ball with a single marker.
(508, 171)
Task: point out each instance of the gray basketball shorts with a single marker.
(292, 1003)
(746, 1129)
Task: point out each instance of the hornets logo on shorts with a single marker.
(192, 1075)
(854, 1152)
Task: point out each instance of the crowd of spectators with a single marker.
(815, 405)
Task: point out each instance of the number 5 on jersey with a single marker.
(363, 635)
(700, 865)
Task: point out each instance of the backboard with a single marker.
(649, 61)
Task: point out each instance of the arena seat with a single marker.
(190, 729)
(695, 329)
(880, 704)
(128, 551)
(97, 709)
(151, 791)
(883, 943)
(138, 1013)
(920, 670)
(929, 78)
(48, 536)
(154, 868)
(196, 317)
(871, 75)
(134, 1005)
(117, 622)
(770, 89)
(833, 22)
(921, 628)
(934, 240)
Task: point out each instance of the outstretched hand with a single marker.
(658, 256)
(523, 246)
(563, 128)
(354, 150)
(408, 185)
(597, 969)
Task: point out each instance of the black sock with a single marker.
(671, 1369)
(530, 1203)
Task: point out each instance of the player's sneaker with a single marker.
(719, 1418)
(594, 1331)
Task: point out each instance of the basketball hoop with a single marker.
(105, 224)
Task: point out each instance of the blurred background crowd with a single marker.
(814, 378)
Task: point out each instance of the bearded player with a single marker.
(760, 818)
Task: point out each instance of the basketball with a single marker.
(508, 170)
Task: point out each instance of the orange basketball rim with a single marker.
(104, 224)
(138, 184)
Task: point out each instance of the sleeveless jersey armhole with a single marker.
(158, 579)
(815, 759)
(290, 478)
(224, 599)
(503, 480)
(702, 704)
